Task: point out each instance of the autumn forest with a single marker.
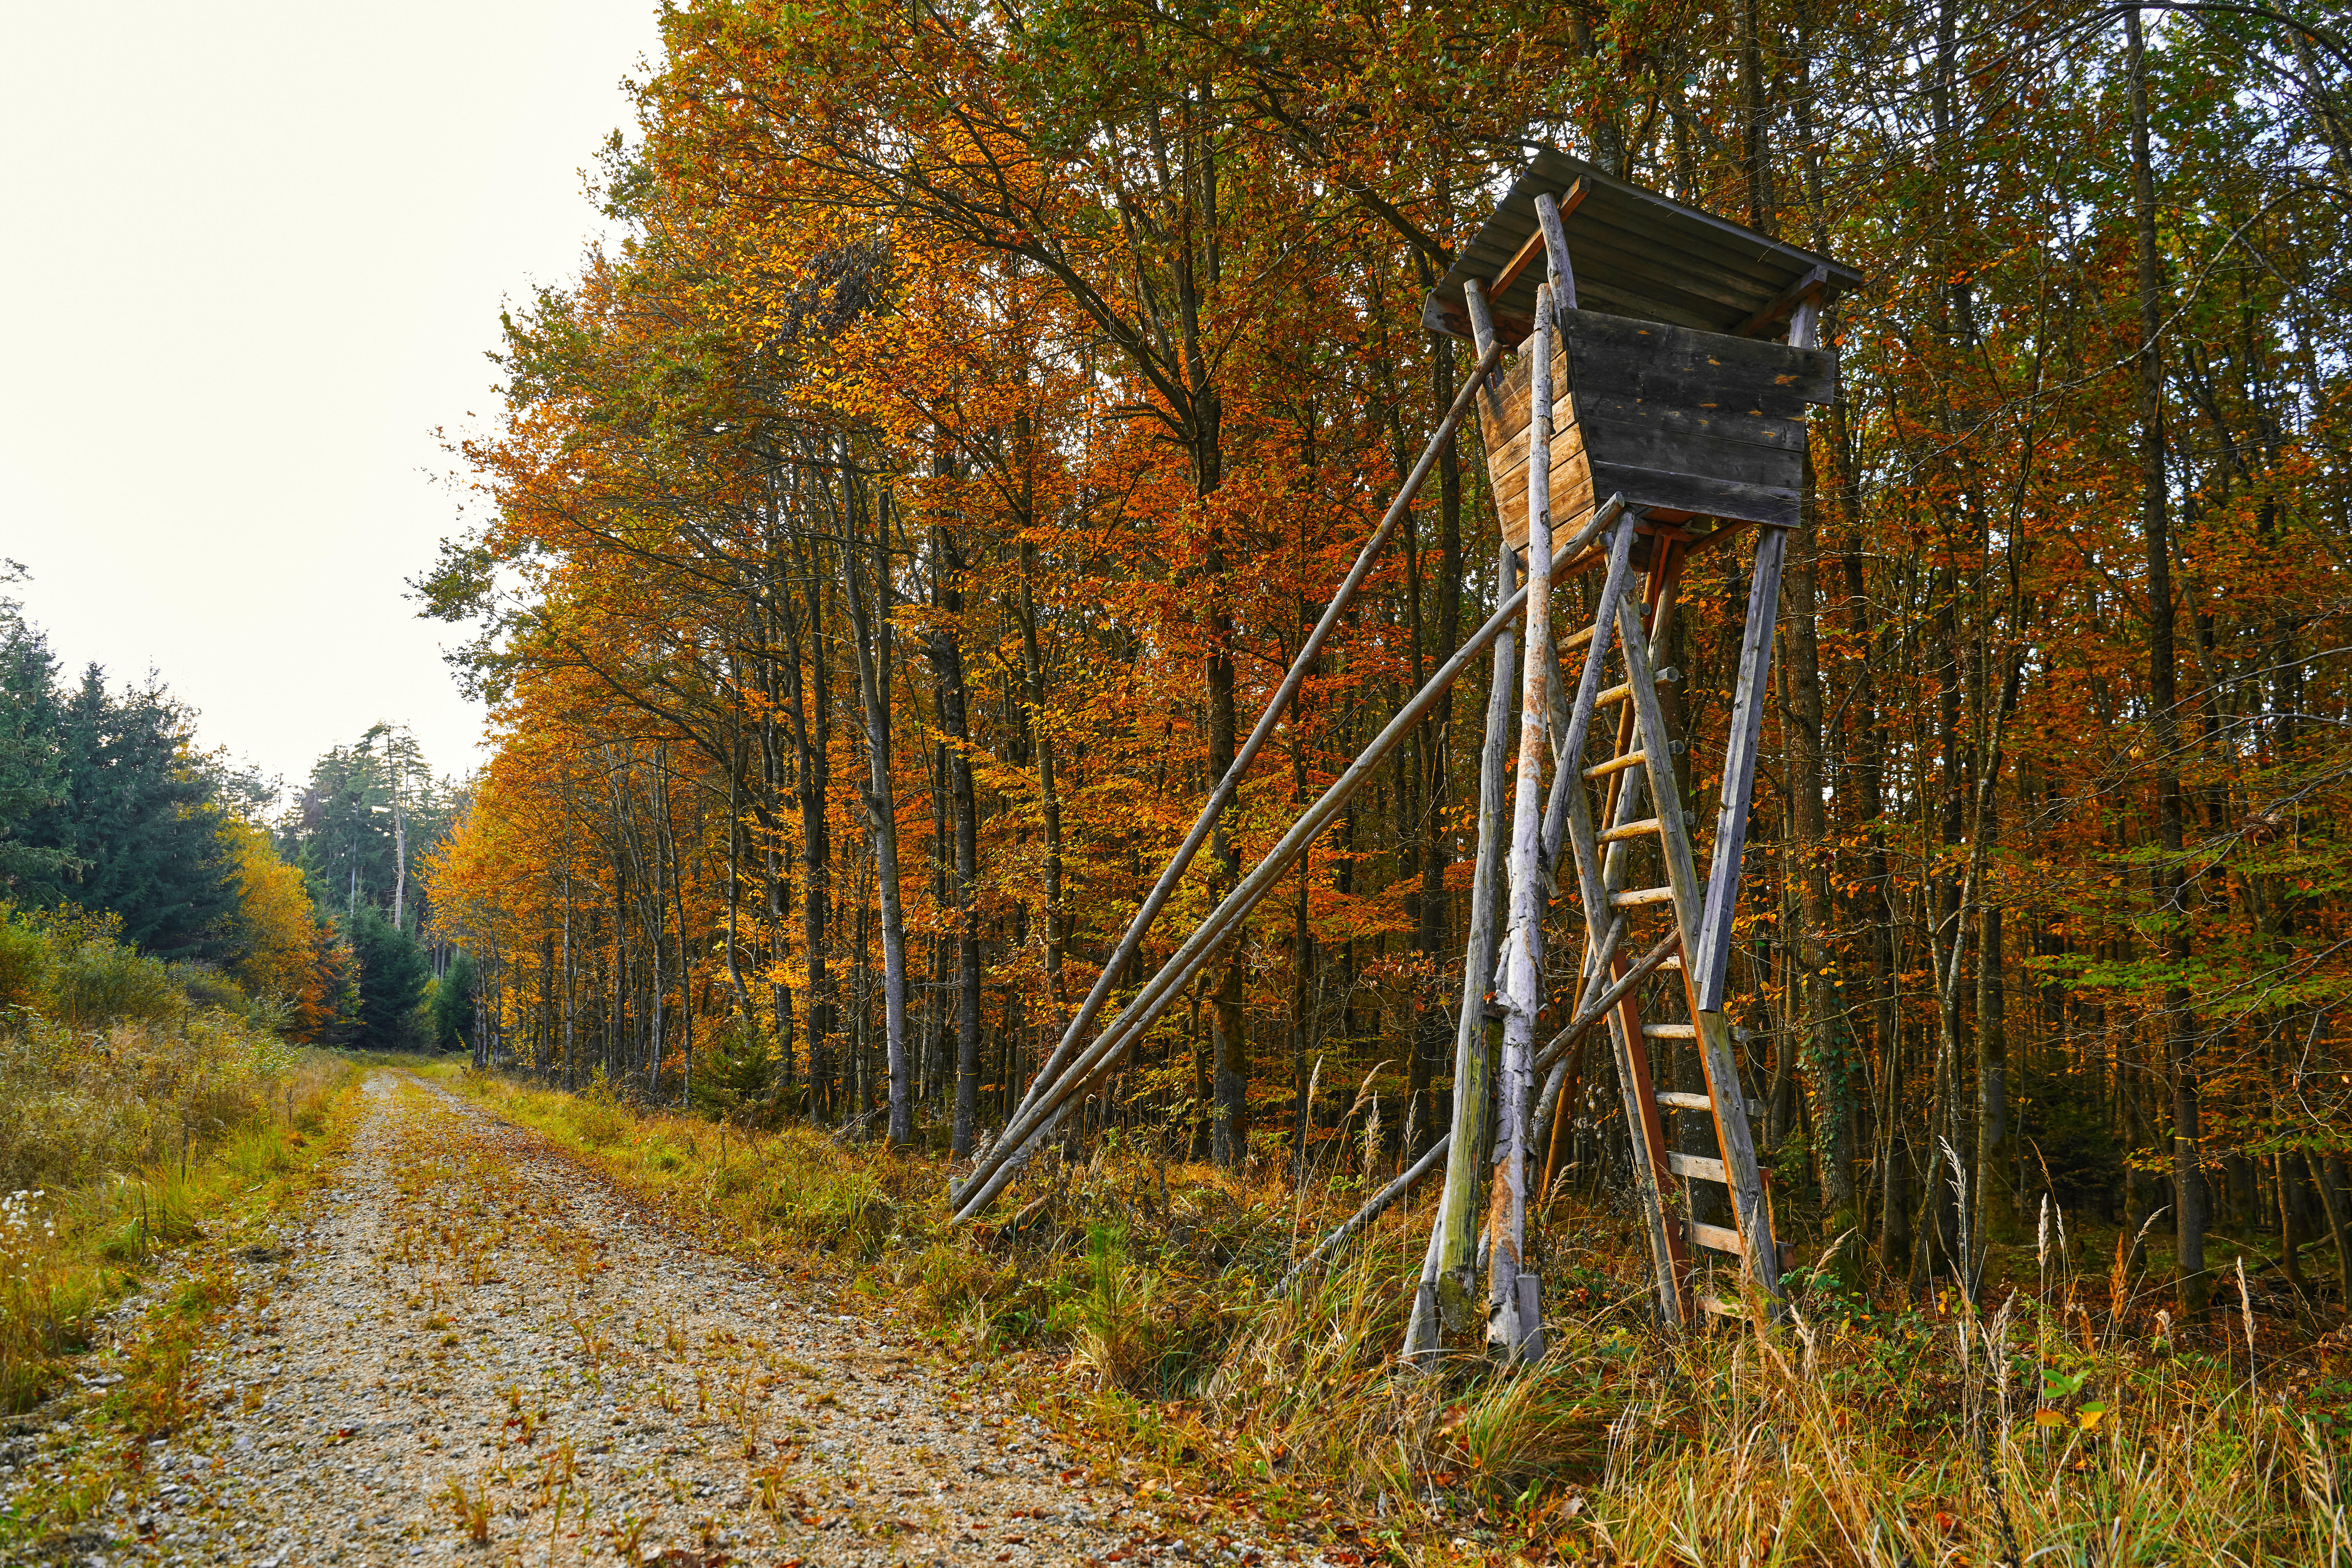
(891, 538)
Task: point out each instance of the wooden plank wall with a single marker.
(1503, 420)
(1668, 417)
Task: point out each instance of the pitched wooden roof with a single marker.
(1635, 254)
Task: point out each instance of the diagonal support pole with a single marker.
(1022, 1132)
(1712, 946)
(1490, 355)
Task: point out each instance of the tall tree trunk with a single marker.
(810, 709)
(1428, 1046)
(1033, 670)
(1826, 1056)
(2163, 696)
(948, 672)
(1229, 1040)
(870, 621)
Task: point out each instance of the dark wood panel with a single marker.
(1649, 361)
(1719, 424)
(1697, 495)
(1649, 445)
(1685, 350)
(1664, 389)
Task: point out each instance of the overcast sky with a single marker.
(254, 255)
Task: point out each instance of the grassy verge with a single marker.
(1130, 1302)
(86, 1393)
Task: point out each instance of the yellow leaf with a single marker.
(2049, 1418)
(2090, 1416)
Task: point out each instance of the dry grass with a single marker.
(105, 1234)
(1139, 1319)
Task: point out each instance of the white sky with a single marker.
(254, 252)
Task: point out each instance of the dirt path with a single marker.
(480, 1353)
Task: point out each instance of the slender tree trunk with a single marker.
(1826, 1055)
(948, 672)
(1033, 670)
(870, 621)
(1428, 1046)
(2163, 695)
(810, 709)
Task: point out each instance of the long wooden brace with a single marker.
(1162, 988)
(1489, 356)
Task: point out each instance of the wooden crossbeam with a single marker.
(1809, 287)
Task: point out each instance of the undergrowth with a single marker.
(146, 1111)
(2056, 1424)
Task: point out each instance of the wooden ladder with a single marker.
(1627, 785)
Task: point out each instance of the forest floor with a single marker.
(472, 1348)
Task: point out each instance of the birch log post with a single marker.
(1455, 1228)
(1514, 1320)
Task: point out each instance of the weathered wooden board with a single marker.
(1713, 424)
(1698, 495)
(1648, 444)
(1571, 476)
(1618, 356)
(1669, 417)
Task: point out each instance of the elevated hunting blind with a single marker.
(1649, 415)
(1671, 392)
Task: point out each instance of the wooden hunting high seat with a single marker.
(1663, 393)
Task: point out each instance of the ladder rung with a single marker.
(1677, 1101)
(1634, 897)
(1672, 960)
(1617, 764)
(1670, 1031)
(1648, 825)
(1698, 1167)
(1719, 1307)
(1719, 1237)
(1615, 694)
(1575, 640)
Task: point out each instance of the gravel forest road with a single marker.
(479, 1351)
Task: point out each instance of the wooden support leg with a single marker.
(1455, 1230)
(1512, 1324)
(1711, 951)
